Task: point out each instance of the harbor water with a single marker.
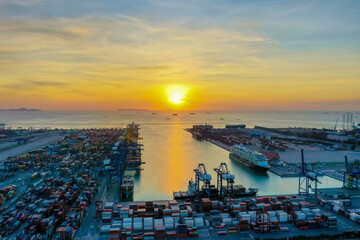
(171, 153)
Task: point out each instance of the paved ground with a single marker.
(294, 157)
(33, 144)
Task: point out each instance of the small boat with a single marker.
(167, 118)
(221, 118)
(154, 113)
(192, 113)
(175, 114)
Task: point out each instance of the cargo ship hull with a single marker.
(247, 163)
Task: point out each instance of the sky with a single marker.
(213, 55)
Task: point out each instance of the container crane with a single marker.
(223, 173)
(336, 124)
(351, 174)
(306, 178)
(202, 175)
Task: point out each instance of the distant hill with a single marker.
(22, 110)
(132, 109)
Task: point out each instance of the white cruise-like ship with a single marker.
(248, 157)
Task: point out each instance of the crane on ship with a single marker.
(351, 174)
(223, 173)
(202, 175)
(306, 178)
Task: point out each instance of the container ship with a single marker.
(252, 159)
(127, 184)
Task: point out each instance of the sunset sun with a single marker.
(177, 98)
(176, 94)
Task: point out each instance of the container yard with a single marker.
(248, 218)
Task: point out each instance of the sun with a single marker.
(176, 98)
(176, 94)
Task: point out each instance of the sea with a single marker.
(171, 154)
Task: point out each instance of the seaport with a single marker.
(160, 120)
(81, 185)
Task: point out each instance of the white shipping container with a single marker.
(199, 222)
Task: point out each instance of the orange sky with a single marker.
(287, 57)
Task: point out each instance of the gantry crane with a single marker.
(306, 178)
(203, 176)
(351, 174)
(223, 173)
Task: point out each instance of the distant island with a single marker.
(132, 109)
(22, 110)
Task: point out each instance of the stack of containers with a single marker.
(300, 216)
(166, 212)
(160, 232)
(108, 206)
(312, 224)
(105, 229)
(106, 217)
(235, 208)
(192, 232)
(114, 233)
(243, 225)
(169, 223)
(149, 223)
(206, 204)
(244, 216)
(65, 233)
(189, 221)
(215, 218)
(158, 222)
(148, 236)
(308, 213)
(272, 216)
(229, 202)
(252, 216)
(138, 224)
(281, 216)
(116, 224)
(199, 222)
(226, 219)
(127, 224)
(184, 213)
(182, 231)
(175, 211)
(215, 205)
(124, 213)
(331, 221)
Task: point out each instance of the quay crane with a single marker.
(306, 177)
(351, 174)
(223, 173)
(202, 175)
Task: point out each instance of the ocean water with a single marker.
(171, 153)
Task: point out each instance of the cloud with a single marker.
(122, 57)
